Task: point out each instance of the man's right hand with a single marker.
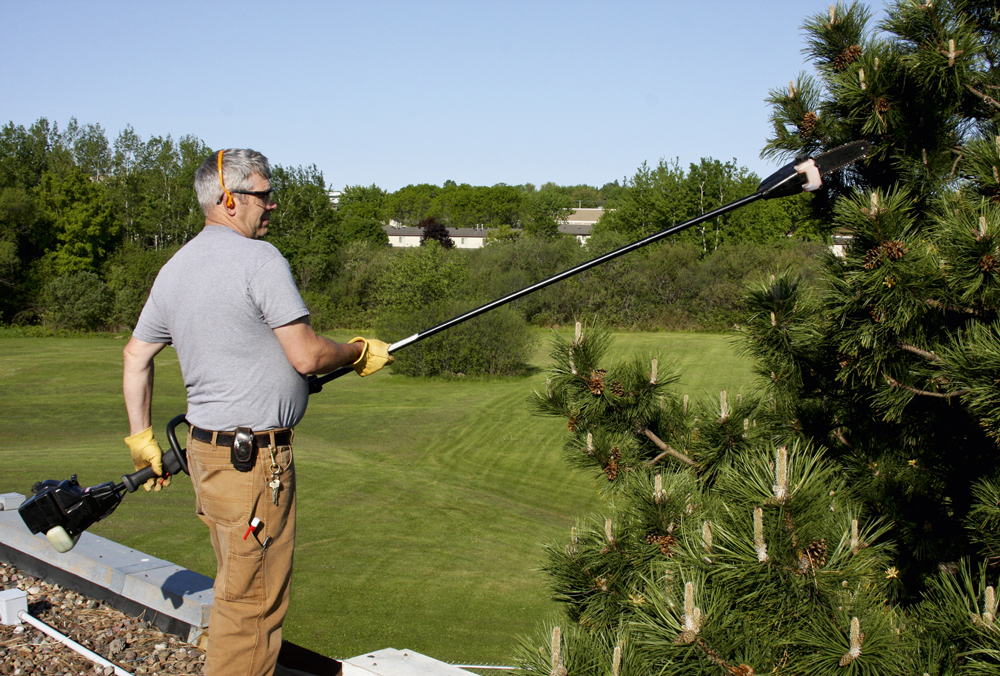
(146, 452)
(374, 355)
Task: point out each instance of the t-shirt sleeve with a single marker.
(152, 327)
(275, 294)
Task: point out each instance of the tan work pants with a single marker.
(252, 583)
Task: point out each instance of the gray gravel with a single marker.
(134, 645)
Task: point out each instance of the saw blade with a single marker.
(841, 156)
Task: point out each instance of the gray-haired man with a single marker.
(228, 304)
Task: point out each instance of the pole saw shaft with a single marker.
(316, 384)
(791, 179)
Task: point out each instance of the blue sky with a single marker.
(393, 93)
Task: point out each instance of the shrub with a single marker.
(420, 276)
(496, 343)
(78, 301)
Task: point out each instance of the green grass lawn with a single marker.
(423, 503)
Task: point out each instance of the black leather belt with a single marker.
(281, 437)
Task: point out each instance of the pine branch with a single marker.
(667, 450)
(924, 393)
(838, 434)
(954, 167)
(989, 100)
(923, 353)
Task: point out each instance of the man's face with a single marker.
(256, 210)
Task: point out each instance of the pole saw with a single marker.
(63, 510)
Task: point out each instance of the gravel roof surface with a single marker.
(132, 644)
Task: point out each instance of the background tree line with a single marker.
(525, 207)
(86, 223)
(652, 199)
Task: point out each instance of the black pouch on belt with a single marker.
(244, 452)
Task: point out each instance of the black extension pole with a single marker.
(789, 180)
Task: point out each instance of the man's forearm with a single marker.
(309, 352)
(334, 355)
(137, 383)
(137, 387)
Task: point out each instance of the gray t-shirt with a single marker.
(217, 300)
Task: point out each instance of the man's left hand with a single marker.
(145, 452)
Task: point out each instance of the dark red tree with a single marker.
(436, 231)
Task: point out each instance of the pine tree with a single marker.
(727, 547)
(844, 517)
(898, 372)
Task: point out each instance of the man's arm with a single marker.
(311, 353)
(137, 383)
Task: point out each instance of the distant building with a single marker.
(578, 224)
(464, 238)
(841, 240)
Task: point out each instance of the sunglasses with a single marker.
(264, 195)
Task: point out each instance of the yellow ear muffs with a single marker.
(229, 198)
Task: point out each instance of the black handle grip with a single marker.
(136, 479)
(316, 383)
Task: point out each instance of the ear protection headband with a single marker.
(229, 197)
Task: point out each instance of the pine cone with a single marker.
(571, 424)
(872, 259)
(893, 250)
(611, 469)
(808, 124)
(617, 389)
(882, 105)
(817, 553)
(665, 542)
(813, 558)
(596, 382)
(847, 57)
(989, 264)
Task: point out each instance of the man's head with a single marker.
(234, 189)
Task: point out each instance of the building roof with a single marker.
(585, 216)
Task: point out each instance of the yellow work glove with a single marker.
(145, 451)
(373, 357)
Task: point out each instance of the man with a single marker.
(228, 304)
